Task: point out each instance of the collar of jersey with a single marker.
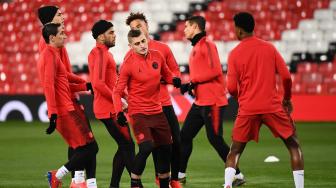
(100, 45)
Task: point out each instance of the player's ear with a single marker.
(101, 37)
(51, 38)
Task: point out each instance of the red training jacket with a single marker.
(206, 73)
(252, 69)
(53, 76)
(103, 76)
(141, 75)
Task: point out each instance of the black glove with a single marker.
(52, 124)
(184, 88)
(177, 82)
(190, 89)
(121, 119)
(187, 87)
(89, 87)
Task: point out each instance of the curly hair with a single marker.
(135, 16)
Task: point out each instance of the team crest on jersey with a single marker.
(155, 65)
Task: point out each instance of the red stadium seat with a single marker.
(314, 78)
(307, 67)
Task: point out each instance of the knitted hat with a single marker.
(47, 13)
(100, 27)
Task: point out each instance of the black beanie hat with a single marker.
(47, 13)
(100, 27)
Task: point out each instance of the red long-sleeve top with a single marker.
(76, 82)
(103, 76)
(252, 69)
(141, 75)
(206, 72)
(53, 76)
(171, 64)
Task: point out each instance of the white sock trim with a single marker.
(79, 176)
(229, 176)
(91, 183)
(61, 172)
(298, 178)
(181, 175)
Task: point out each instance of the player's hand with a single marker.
(89, 87)
(52, 124)
(288, 106)
(191, 89)
(184, 88)
(121, 119)
(177, 82)
(124, 105)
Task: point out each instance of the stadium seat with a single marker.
(312, 78)
(317, 46)
(324, 14)
(306, 25)
(307, 67)
(291, 35)
(312, 35)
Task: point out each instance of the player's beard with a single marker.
(109, 44)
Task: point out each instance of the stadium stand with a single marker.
(304, 31)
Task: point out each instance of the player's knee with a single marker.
(91, 148)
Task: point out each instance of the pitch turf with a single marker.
(26, 153)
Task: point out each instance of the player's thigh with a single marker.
(74, 130)
(280, 123)
(192, 124)
(213, 119)
(172, 121)
(246, 128)
(160, 130)
(120, 134)
(141, 128)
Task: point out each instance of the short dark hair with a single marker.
(100, 27)
(199, 20)
(245, 21)
(50, 29)
(133, 33)
(135, 16)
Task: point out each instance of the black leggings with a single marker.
(212, 118)
(84, 157)
(175, 132)
(145, 149)
(125, 154)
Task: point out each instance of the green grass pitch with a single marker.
(26, 153)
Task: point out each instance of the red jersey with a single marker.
(171, 64)
(252, 69)
(53, 76)
(141, 75)
(78, 83)
(103, 76)
(206, 73)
